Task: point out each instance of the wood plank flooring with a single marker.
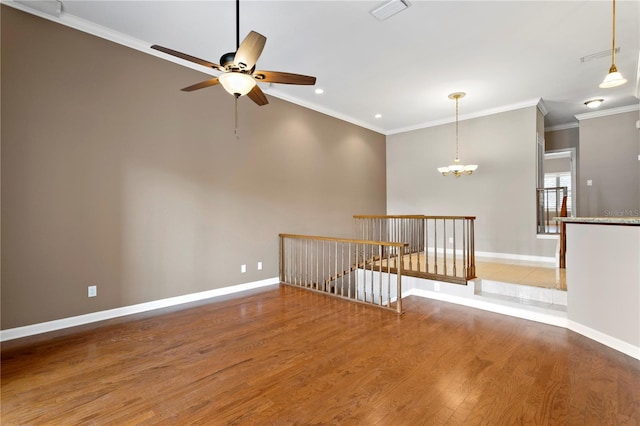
(522, 272)
(288, 356)
(534, 274)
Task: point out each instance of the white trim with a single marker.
(543, 107)
(92, 28)
(511, 256)
(285, 97)
(557, 153)
(562, 127)
(606, 112)
(483, 113)
(555, 320)
(547, 236)
(44, 327)
(638, 77)
(605, 339)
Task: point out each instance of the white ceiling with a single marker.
(503, 54)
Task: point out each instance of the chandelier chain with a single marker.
(457, 98)
(613, 39)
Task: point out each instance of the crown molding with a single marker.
(562, 127)
(483, 113)
(83, 25)
(88, 27)
(638, 77)
(606, 112)
(543, 107)
(272, 91)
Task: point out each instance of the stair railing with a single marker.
(440, 248)
(363, 271)
(549, 203)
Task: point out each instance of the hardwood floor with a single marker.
(532, 274)
(288, 356)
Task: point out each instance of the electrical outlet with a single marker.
(243, 269)
(450, 240)
(589, 182)
(92, 291)
(259, 266)
(436, 286)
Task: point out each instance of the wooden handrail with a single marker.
(436, 244)
(358, 270)
(411, 216)
(343, 240)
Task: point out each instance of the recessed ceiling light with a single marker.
(378, 116)
(594, 103)
(319, 91)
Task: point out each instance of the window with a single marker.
(554, 180)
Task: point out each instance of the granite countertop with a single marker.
(608, 220)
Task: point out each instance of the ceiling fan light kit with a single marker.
(237, 83)
(613, 78)
(239, 75)
(456, 169)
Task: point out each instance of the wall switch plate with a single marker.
(450, 240)
(92, 291)
(243, 268)
(259, 266)
(589, 182)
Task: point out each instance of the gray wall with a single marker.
(113, 177)
(609, 149)
(557, 165)
(562, 139)
(501, 193)
(603, 279)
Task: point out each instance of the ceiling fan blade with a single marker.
(202, 85)
(187, 57)
(249, 50)
(283, 77)
(257, 95)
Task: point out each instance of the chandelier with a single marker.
(456, 168)
(614, 78)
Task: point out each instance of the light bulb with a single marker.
(237, 83)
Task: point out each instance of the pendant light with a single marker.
(456, 168)
(614, 78)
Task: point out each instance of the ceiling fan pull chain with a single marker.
(235, 130)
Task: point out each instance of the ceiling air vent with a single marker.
(389, 9)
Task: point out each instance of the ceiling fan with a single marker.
(239, 76)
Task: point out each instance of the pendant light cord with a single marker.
(613, 42)
(457, 98)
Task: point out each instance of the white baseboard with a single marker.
(555, 320)
(605, 339)
(44, 327)
(558, 321)
(488, 254)
(511, 256)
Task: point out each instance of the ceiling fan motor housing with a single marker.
(226, 61)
